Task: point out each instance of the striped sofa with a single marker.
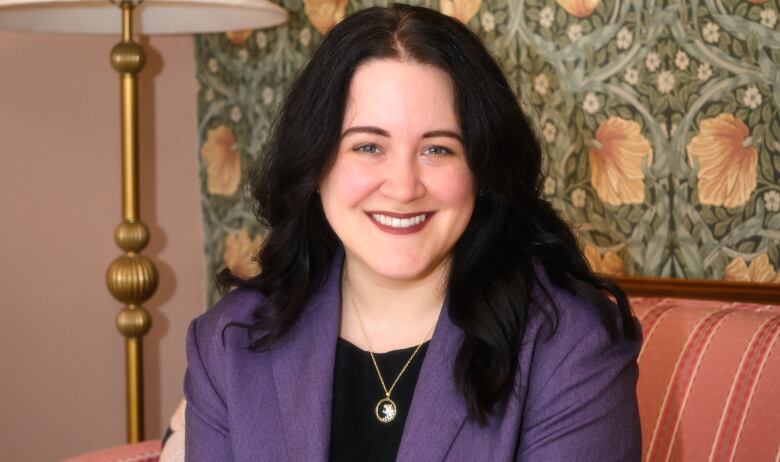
(709, 385)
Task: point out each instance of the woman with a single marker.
(418, 301)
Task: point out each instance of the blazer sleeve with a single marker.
(206, 423)
(582, 395)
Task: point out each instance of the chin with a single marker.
(395, 267)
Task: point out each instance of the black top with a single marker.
(356, 433)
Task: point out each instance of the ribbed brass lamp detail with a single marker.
(132, 278)
(131, 236)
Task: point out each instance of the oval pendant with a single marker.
(385, 410)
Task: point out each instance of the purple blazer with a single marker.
(574, 400)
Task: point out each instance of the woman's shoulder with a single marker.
(565, 316)
(234, 309)
(580, 372)
(235, 306)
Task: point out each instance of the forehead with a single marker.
(391, 93)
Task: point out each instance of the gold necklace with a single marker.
(385, 409)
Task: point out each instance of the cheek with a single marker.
(454, 187)
(346, 185)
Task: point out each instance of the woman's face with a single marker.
(399, 194)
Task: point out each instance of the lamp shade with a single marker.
(151, 16)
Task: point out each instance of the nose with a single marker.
(402, 179)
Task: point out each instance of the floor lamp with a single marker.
(132, 277)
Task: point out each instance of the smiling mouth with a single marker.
(399, 220)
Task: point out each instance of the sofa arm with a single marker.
(146, 451)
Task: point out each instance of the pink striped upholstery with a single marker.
(147, 451)
(709, 384)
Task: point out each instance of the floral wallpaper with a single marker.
(660, 118)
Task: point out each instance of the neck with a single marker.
(394, 313)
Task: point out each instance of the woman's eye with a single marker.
(368, 148)
(434, 150)
(437, 150)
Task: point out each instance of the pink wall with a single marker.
(61, 358)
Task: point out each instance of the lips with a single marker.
(396, 222)
(399, 223)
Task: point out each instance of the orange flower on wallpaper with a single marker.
(759, 270)
(610, 263)
(237, 37)
(579, 8)
(616, 162)
(727, 161)
(462, 10)
(240, 252)
(323, 14)
(223, 162)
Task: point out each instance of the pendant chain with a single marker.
(373, 359)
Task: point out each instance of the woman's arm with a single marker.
(581, 403)
(206, 427)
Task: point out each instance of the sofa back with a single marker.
(709, 380)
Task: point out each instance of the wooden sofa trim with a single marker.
(701, 289)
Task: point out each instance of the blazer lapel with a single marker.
(438, 409)
(303, 372)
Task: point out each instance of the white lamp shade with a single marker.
(150, 17)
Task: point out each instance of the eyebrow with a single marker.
(385, 133)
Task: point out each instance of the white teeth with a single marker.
(398, 222)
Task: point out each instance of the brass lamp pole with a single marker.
(131, 278)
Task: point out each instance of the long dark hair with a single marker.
(492, 273)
